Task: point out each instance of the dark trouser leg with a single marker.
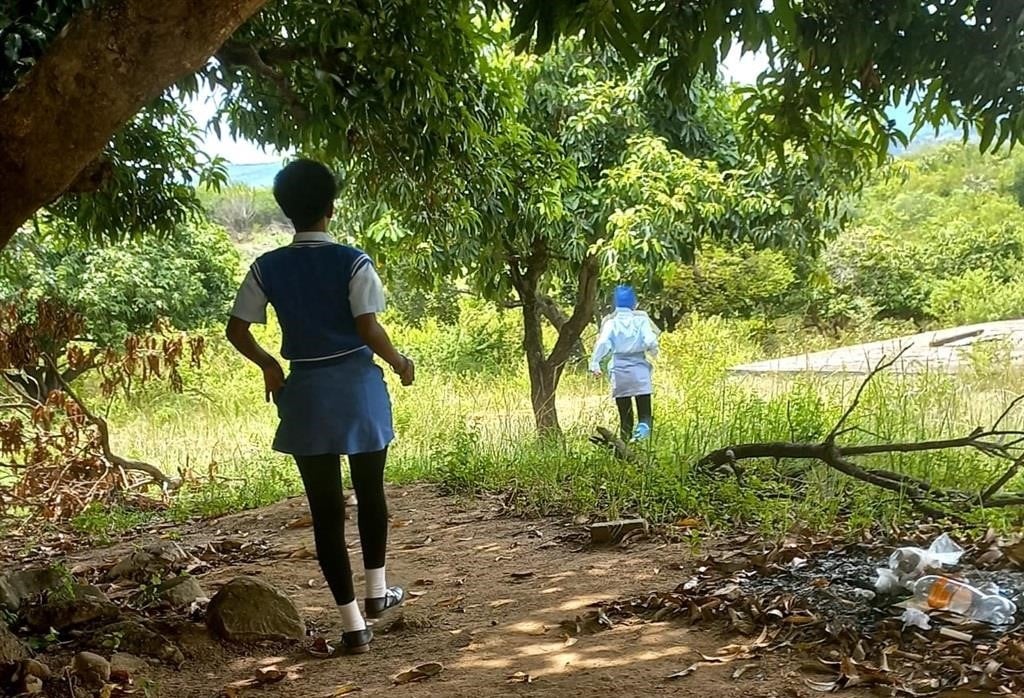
(625, 406)
(368, 481)
(321, 476)
(643, 410)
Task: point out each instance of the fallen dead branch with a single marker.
(995, 442)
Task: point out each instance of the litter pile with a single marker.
(916, 621)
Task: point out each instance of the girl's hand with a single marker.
(273, 380)
(597, 373)
(407, 372)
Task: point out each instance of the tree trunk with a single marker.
(109, 62)
(544, 378)
(546, 370)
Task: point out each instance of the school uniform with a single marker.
(628, 335)
(335, 400)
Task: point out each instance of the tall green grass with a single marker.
(466, 425)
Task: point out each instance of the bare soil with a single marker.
(492, 594)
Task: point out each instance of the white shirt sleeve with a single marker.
(650, 337)
(366, 291)
(603, 347)
(250, 302)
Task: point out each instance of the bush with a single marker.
(740, 282)
(483, 340)
(976, 296)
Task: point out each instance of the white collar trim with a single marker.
(311, 236)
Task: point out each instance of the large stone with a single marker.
(92, 670)
(134, 637)
(11, 648)
(20, 587)
(81, 604)
(181, 592)
(247, 609)
(158, 559)
(124, 667)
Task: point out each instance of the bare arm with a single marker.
(376, 337)
(240, 336)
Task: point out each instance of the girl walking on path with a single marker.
(334, 401)
(628, 335)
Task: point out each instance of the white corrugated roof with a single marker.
(942, 350)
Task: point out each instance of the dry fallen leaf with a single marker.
(343, 690)
(525, 574)
(740, 671)
(301, 522)
(419, 673)
(501, 602)
(303, 553)
(519, 677)
(270, 674)
(687, 671)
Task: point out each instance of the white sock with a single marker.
(351, 617)
(376, 584)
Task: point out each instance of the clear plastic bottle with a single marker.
(962, 598)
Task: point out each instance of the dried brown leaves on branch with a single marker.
(996, 441)
(55, 453)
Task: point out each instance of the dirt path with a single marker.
(492, 593)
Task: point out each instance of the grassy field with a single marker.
(471, 431)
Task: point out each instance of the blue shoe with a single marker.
(642, 432)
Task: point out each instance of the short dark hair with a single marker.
(305, 191)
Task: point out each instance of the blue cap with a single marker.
(625, 297)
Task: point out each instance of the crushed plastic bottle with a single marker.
(907, 564)
(910, 561)
(947, 594)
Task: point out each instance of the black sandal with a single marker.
(393, 597)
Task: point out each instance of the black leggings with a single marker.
(625, 405)
(321, 476)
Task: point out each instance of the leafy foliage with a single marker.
(953, 61)
(944, 243)
(394, 89)
(109, 297)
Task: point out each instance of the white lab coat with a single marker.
(629, 336)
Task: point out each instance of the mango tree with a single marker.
(590, 175)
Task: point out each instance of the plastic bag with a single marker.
(908, 564)
(916, 618)
(887, 583)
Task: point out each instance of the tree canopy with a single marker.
(394, 84)
(589, 174)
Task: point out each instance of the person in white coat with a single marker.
(628, 336)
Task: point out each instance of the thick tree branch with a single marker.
(583, 311)
(109, 62)
(935, 501)
(166, 482)
(234, 54)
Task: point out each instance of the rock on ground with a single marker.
(11, 648)
(82, 604)
(91, 669)
(124, 666)
(247, 609)
(134, 637)
(19, 587)
(181, 592)
(159, 558)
